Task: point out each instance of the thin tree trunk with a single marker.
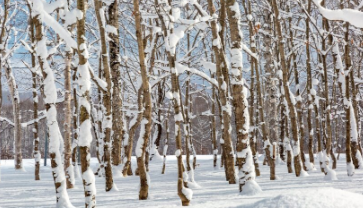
(271, 111)
(223, 83)
(166, 142)
(349, 143)
(127, 169)
(68, 168)
(75, 125)
(146, 121)
(36, 152)
(50, 97)
(299, 103)
(85, 135)
(289, 99)
(107, 96)
(309, 88)
(213, 128)
(18, 133)
(117, 121)
(327, 110)
(288, 146)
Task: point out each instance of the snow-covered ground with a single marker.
(18, 189)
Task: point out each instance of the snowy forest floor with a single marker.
(18, 189)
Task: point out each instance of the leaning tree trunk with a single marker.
(223, 83)
(129, 139)
(178, 122)
(184, 193)
(289, 98)
(50, 98)
(85, 134)
(299, 103)
(146, 120)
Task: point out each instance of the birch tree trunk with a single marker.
(223, 83)
(2, 50)
(85, 134)
(146, 120)
(271, 91)
(349, 116)
(107, 96)
(213, 128)
(68, 168)
(15, 100)
(129, 140)
(50, 98)
(166, 142)
(327, 112)
(299, 103)
(239, 93)
(13, 88)
(117, 115)
(290, 100)
(309, 87)
(75, 131)
(36, 152)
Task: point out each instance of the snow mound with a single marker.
(251, 188)
(317, 198)
(331, 175)
(310, 166)
(303, 173)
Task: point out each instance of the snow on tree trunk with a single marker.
(147, 105)
(36, 152)
(165, 149)
(50, 98)
(129, 138)
(268, 125)
(287, 93)
(117, 115)
(85, 134)
(75, 131)
(247, 183)
(107, 96)
(329, 173)
(15, 100)
(254, 65)
(68, 167)
(224, 94)
(172, 36)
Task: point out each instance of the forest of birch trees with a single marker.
(116, 79)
